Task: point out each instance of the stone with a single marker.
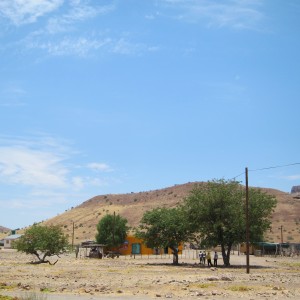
(295, 189)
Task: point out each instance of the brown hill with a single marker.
(132, 206)
(4, 230)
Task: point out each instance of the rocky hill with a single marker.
(295, 189)
(132, 206)
(4, 230)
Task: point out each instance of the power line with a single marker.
(267, 168)
(238, 175)
(274, 167)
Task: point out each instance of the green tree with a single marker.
(112, 230)
(163, 227)
(43, 242)
(216, 212)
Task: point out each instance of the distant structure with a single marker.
(8, 241)
(295, 189)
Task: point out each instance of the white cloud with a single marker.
(29, 167)
(78, 182)
(79, 46)
(40, 176)
(79, 12)
(41, 164)
(100, 167)
(238, 14)
(293, 177)
(27, 11)
(86, 46)
(60, 33)
(124, 46)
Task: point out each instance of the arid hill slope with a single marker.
(4, 229)
(133, 205)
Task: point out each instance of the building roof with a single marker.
(13, 237)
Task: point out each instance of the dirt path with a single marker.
(149, 278)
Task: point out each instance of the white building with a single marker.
(9, 240)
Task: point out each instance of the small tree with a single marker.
(112, 231)
(164, 227)
(216, 212)
(43, 242)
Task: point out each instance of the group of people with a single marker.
(207, 257)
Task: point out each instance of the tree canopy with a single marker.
(216, 212)
(112, 230)
(163, 227)
(43, 242)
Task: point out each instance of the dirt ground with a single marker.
(149, 277)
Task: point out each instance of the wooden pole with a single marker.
(247, 225)
(114, 220)
(73, 236)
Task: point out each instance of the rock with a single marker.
(226, 278)
(295, 189)
(213, 278)
(216, 293)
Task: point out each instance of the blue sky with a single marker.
(100, 97)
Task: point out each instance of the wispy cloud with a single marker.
(61, 36)
(102, 167)
(30, 167)
(85, 46)
(238, 14)
(61, 31)
(69, 46)
(292, 177)
(21, 12)
(45, 162)
(42, 171)
(79, 11)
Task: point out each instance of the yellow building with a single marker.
(133, 245)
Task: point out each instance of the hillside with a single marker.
(4, 229)
(133, 205)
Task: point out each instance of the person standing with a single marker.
(215, 259)
(201, 257)
(204, 257)
(209, 264)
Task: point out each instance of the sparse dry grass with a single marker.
(149, 277)
(239, 288)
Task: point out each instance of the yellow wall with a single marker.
(243, 248)
(132, 243)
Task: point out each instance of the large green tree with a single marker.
(164, 227)
(43, 242)
(112, 230)
(216, 213)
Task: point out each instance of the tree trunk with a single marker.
(175, 256)
(226, 255)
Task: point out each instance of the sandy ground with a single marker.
(149, 277)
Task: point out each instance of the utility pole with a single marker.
(73, 232)
(281, 234)
(114, 221)
(247, 224)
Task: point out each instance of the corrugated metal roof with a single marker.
(13, 237)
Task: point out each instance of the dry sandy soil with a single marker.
(149, 278)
